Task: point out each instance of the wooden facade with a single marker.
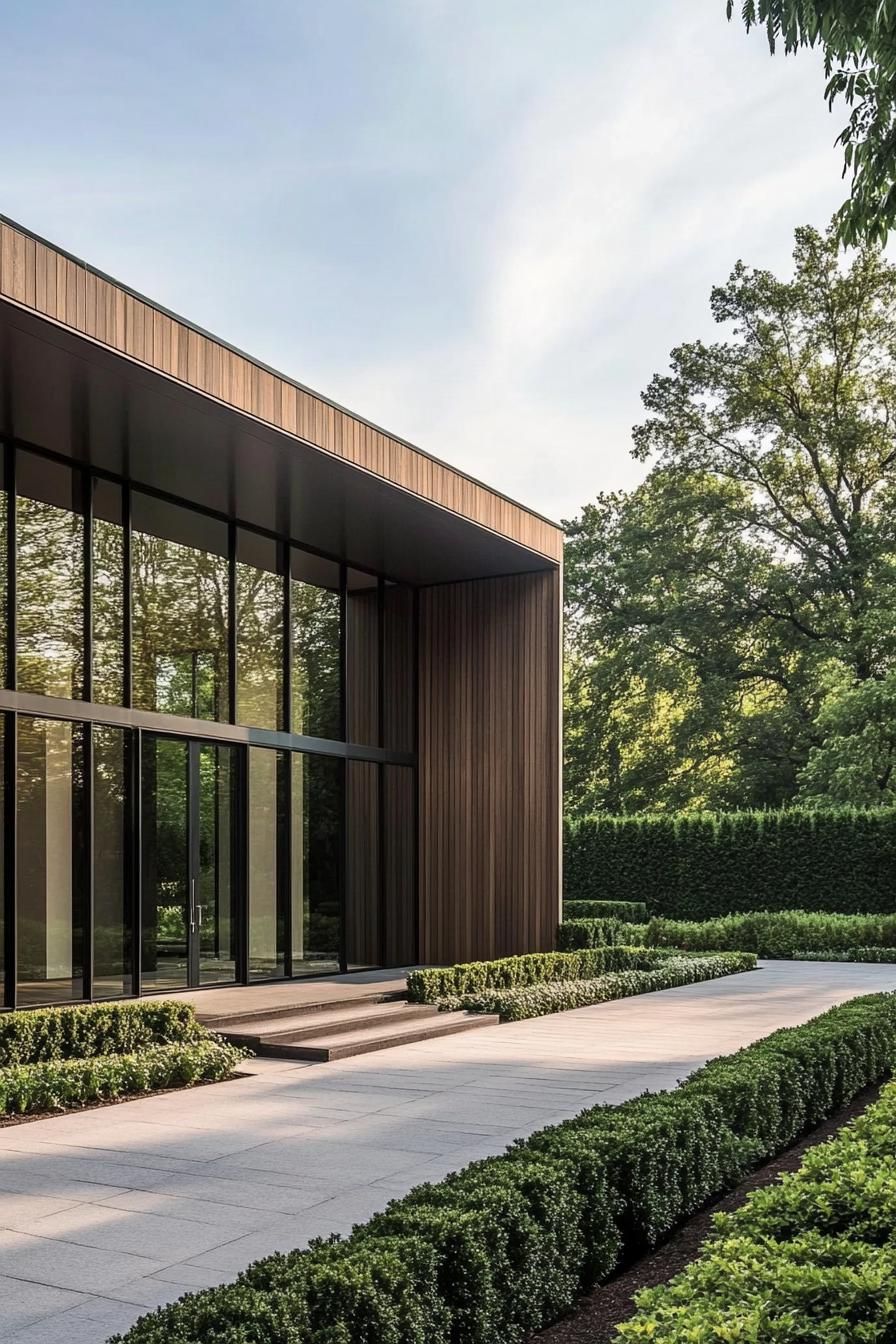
(67, 291)
(489, 767)
(466, 680)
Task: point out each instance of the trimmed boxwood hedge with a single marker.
(54, 1058)
(630, 912)
(770, 934)
(699, 866)
(86, 1030)
(58, 1084)
(503, 1247)
(556, 996)
(433, 984)
(809, 1258)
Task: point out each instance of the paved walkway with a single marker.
(110, 1212)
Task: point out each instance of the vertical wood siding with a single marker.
(35, 275)
(489, 777)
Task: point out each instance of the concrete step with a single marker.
(224, 1021)
(329, 1020)
(398, 1031)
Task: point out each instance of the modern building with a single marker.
(281, 692)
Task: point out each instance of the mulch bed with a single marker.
(598, 1314)
(7, 1120)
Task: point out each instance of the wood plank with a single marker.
(489, 767)
(106, 312)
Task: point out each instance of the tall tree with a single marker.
(709, 608)
(858, 38)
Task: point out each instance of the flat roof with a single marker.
(68, 291)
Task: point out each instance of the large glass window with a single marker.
(50, 860)
(111, 916)
(180, 585)
(165, 862)
(317, 784)
(315, 640)
(362, 658)
(259, 624)
(49, 577)
(267, 923)
(108, 594)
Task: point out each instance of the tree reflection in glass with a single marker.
(180, 581)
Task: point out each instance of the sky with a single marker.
(482, 224)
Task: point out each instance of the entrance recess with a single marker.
(189, 863)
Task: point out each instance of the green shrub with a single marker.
(699, 866)
(809, 1258)
(773, 935)
(556, 996)
(57, 1084)
(433, 984)
(596, 933)
(575, 935)
(630, 912)
(878, 954)
(90, 1029)
(508, 1244)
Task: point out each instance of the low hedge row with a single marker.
(58, 1084)
(501, 1248)
(769, 934)
(630, 912)
(810, 1258)
(433, 984)
(877, 954)
(557, 996)
(89, 1030)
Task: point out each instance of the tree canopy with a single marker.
(716, 613)
(858, 38)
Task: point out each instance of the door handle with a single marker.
(199, 916)
(192, 905)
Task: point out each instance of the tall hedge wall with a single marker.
(703, 865)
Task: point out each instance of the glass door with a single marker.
(189, 868)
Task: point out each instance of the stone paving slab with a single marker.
(108, 1213)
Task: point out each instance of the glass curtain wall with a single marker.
(49, 578)
(180, 592)
(111, 889)
(129, 600)
(260, 651)
(51, 868)
(315, 639)
(317, 797)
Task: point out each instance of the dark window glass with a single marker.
(317, 785)
(50, 864)
(363, 924)
(259, 626)
(49, 578)
(267, 924)
(215, 915)
(362, 658)
(316, 606)
(165, 860)
(398, 668)
(108, 595)
(180, 585)
(399, 866)
(111, 916)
